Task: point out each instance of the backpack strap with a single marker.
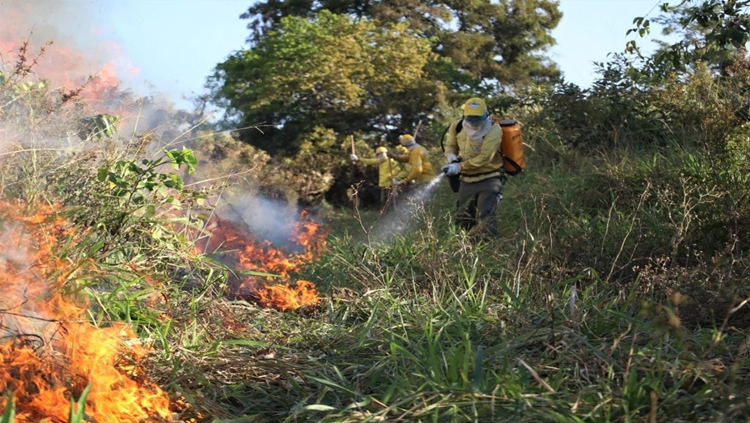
(459, 128)
(514, 164)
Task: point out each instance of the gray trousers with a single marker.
(477, 204)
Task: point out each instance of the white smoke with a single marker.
(265, 219)
(19, 312)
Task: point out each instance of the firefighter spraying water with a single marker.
(480, 152)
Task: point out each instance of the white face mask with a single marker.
(475, 125)
(380, 157)
(476, 131)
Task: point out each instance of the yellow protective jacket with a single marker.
(479, 160)
(420, 168)
(386, 168)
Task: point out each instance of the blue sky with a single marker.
(591, 29)
(174, 44)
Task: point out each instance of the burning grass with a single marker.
(51, 352)
(258, 263)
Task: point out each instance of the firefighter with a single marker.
(420, 168)
(472, 151)
(389, 172)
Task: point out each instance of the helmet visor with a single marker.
(476, 120)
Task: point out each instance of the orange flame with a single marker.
(240, 250)
(50, 353)
(285, 297)
(64, 65)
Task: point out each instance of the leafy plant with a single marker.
(77, 408)
(9, 414)
(99, 126)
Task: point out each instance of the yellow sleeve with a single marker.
(399, 171)
(490, 147)
(451, 144)
(402, 159)
(369, 162)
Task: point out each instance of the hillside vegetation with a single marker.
(137, 288)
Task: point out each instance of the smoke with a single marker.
(264, 219)
(19, 313)
(48, 18)
(77, 50)
(14, 255)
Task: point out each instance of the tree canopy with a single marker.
(329, 71)
(711, 31)
(496, 43)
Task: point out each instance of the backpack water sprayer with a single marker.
(511, 148)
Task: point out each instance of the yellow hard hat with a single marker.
(474, 106)
(381, 149)
(406, 139)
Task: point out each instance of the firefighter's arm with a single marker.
(401, 159)
(451, 143)
(399, 171)
(369, 161)
(490, 148)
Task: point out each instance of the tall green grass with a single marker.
(608, 296)
(471, 333)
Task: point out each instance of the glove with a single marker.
(452, 158)
(354, 158)
(451, 169)
(389, 154)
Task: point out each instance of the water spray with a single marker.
(423, 193)
(402, 218)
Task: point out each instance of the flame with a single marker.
(284, 297)
(60, 45)
(50, 352)
(243, 252)
(100, 86)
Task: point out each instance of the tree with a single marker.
(711, 31)
(496, 44)
(329, 71)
